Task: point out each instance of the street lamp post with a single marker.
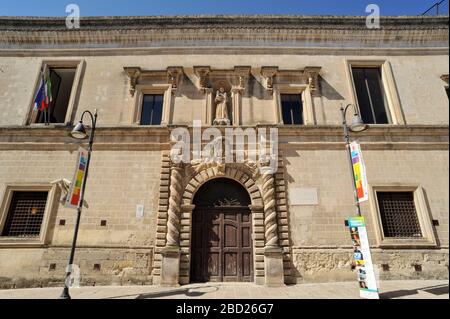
(357, 125)
(79, 132)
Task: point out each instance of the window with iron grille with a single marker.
(25, 214)
(399, 215)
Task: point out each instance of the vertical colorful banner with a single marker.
(73, 198)
(360, 172)
(363, 259)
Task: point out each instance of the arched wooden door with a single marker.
(222, 248)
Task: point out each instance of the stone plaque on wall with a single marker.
(303, 196)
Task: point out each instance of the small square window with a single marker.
(152, 109)
(398, 215)
(25, 214)
(292, 108)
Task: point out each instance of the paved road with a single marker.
(416, 289)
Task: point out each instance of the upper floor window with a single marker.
(58, 87)
(25, 214)
(292, 108)
(371, 97)
(152, 109)
(56, 92)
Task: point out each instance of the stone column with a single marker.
(273, 254)
(209, 105)
(185, 243)
(170, 266)
(236, 100)
(167, 105)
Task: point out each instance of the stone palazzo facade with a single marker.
(151, 220)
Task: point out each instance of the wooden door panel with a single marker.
(213, 239)
(222, 245)
(246, 237)
(246, 264)
(230, 264)
(230, 236)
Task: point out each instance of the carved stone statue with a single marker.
(221, 108)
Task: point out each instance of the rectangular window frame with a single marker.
(307, 102)
(428, 239)
(161, 89)
(389, 87)
(50, 207)
(292, 117)
(79, 66)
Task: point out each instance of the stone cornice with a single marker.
(223, 31)
(199, 50)
(130, 130)
(222, 21)
(386, 137)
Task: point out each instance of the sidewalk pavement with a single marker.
(395, 289)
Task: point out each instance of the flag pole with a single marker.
(47, 100)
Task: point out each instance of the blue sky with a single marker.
(192, 7)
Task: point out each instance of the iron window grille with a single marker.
(399, 215)
(25, 214)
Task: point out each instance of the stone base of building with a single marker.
(45, 267)
(327, 265)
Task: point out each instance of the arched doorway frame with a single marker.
(257, 215)
(230, 221)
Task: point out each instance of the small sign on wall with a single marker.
(303, 196)
(139, 211)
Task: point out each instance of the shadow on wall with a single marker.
(328, 91)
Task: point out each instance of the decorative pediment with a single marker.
(133, 74)
(241, 76)
(268, 73)
(236, 78)
(171, 75)
(311, 77)
(308, 76)
(174, 74)
(202, 73)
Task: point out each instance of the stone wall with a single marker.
(45, 267)
(105, 86)
(130, 164)
(326, 265)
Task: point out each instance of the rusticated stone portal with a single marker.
(231, 237)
